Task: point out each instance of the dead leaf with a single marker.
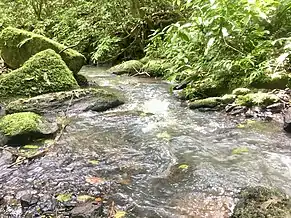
(95, 180)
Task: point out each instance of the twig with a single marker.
(71, 46)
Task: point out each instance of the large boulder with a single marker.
(22, 128)
(42, 73)
(262, 202)
(278, 80)
(96, 99)
(17, 46)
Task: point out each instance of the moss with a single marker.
(17, 46)
(156, 67)
(228, 99)
(262, 202)
(241, 91)
(257, 99)
(205, 103)
(44, 72)
(277, 80)
(130, 67)
(19, 123)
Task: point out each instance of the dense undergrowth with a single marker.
(103, 30)
(213, 45)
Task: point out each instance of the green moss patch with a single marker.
(205, 103)
(128, 67)
(257, 99)
(262, 202)
(19, 123)
(277, 80)
(44, 72)
(17, 46)
(241, 91)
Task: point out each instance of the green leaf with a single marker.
(85, 198)
(120, 214)
(94, 162)
(240, 150)
(30, 147)
(183, 166)
(64, 197)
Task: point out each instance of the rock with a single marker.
(17, 46)
(238, 110)
(257, 99)
(27, 198)
(86, 210)
(205, 103)
(44, 72)
(287, 120)
(262, 202)
(82, 80)
(156, 67)
(22, 128)
(96, 99)
(276, 108)
(128, 67)
(228, 99)
(241, 91)
(5, 157)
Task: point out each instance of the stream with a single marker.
(160, 158)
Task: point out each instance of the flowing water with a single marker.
(163, 159)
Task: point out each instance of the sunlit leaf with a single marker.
(64, 197)
(94, 162)
(85, 198)
(120, 214)
(30, 147)
(183, 166)
(240, 150)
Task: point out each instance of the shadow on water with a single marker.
(167, 160)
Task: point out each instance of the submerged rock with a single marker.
(128, 67)
(44, 72)
(22, 128)
(262, 202)
(17, 46)
(86, 210)
(96, 99)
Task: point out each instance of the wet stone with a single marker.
(238, 110)
(86, 210)
(276, 108)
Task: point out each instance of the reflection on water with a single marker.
(173, 162)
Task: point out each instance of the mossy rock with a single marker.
(96, 99)
(277, 80)
(22, 128)
(156, 67)
(228, 98)
(241, 91)
(256, 202)
(127, 67)
(257, 99)
(205, 103)
(17, 46)
(42, 73)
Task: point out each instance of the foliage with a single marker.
(103, 30)
(224, 45)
